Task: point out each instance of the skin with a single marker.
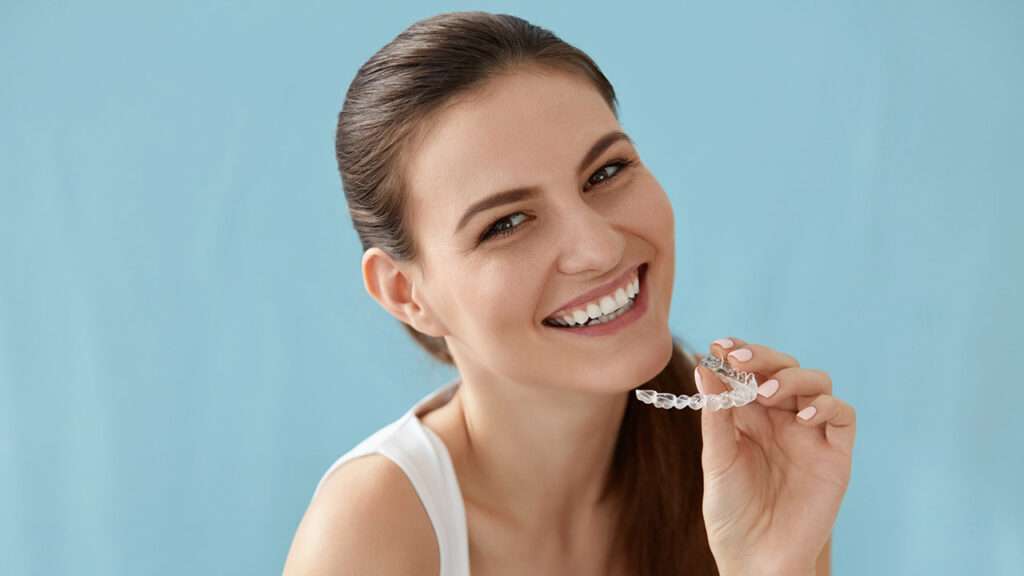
(773, 482)
(535, 402)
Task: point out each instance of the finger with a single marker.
(840, 420)
(786, 385)
(756, 358)
(717, 427)
(722, 346)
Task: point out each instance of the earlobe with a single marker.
(391, 284)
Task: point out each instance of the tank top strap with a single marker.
(425, 460)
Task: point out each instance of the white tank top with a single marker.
(425, 460)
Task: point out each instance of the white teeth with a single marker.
(571, 321)
(608, 305)
(613, 315)
(620, 297)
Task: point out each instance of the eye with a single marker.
(620, 165)
(502, 226)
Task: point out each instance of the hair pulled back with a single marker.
(656, 468)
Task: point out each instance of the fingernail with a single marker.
(768, 388)
(807, 413)
(724, 343)
(742, 354)
(696, 379)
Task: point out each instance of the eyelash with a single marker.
(490, 233)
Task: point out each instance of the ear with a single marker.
(394, 286)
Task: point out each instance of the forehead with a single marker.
(520, 130)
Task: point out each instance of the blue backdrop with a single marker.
(186, 345)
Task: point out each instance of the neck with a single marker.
(536, 459)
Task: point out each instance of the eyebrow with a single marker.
(517, 194)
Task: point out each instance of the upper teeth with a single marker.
(601, 306)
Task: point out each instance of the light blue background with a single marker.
(185, 343)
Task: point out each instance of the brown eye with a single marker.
(506, 227)
(620, 164)
(499, 228)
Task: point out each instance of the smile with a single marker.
(615, 303)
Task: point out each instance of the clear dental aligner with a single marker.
(744, 390)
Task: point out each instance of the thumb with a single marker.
(718, 427)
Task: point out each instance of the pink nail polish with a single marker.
(768, 388)
(724, 343)
(742, 354)
(696, 379)
(807, 413)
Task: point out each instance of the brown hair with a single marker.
(656, 469)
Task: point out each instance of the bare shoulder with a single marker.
(365, 519)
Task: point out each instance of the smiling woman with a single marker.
(550, 297)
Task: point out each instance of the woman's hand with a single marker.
(772, 481)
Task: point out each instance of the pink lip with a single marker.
(620, 323)
(596, 292)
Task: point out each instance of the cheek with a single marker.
(656, 224)
(498, 296)
(652, 213)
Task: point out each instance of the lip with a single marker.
(602, 290)
(620, 323)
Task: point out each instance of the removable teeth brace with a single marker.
(744, 390)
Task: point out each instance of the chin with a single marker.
(661, 355)
(623, 374)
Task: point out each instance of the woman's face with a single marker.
(491, 277)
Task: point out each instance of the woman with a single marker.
(498, 201)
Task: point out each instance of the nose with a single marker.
(588, 242)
